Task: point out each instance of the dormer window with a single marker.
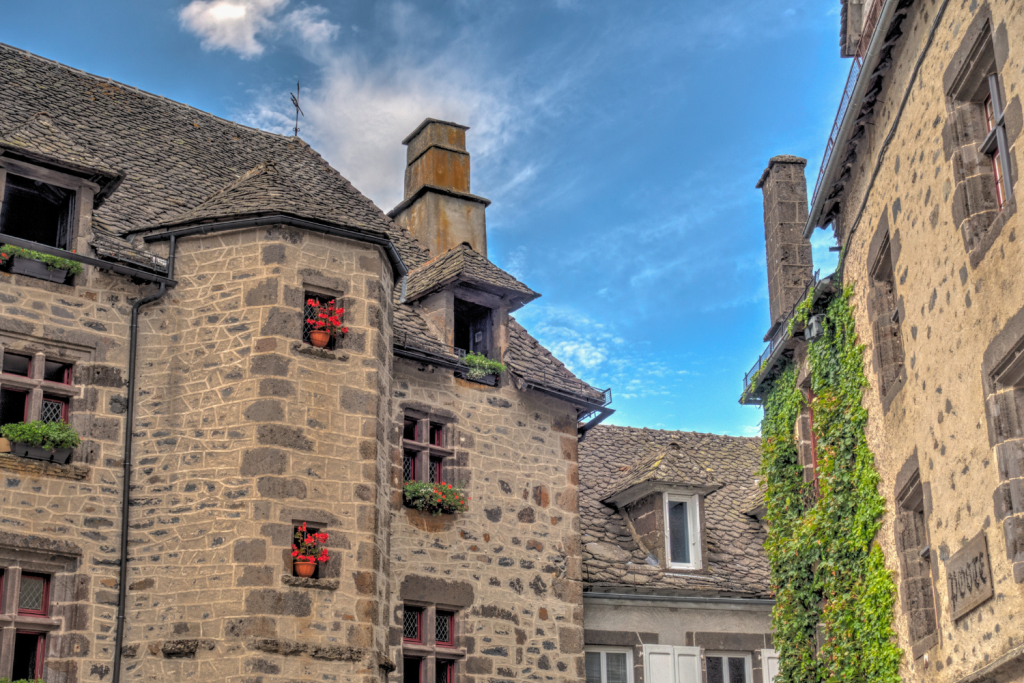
(472, 327)
(37, 211)
(682, 537)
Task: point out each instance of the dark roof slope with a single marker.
(173, 157)
(666, 464)
(612, 560)
(529, 360)
(39, 136)
(466, 265)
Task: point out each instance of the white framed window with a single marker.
(728, 667)
(682, 531)
(609, 665)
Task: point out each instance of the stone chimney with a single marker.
(785, 214)
(438, 208)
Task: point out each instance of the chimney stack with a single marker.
(785, 214)
(438, 208)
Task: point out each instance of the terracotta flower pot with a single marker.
(304, 569)
(5, 445)
(319, 338)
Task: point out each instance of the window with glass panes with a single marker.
(31, 598)
(429, 652)
(425, 448)
(609, 665)
(727, 667)
(34, 387)
(682, 537)
(996, 144)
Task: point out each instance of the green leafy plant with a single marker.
(826, 568)
(437, 499)
(22, 680)
(480, 366)
(52, 262)
(48, 435)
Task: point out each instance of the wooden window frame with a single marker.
(38, 388)
(725, 655)
(44, 611)
(41, 638)
(424, 447)
(693, 522)
(603, 652)
(427, 648)
(419, 611)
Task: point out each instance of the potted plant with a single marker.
(480, 366)
(51, 441)
(437, 499)
(37, 264)
(308, 549)
(326, 322)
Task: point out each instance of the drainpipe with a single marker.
(122, 587)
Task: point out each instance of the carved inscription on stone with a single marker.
(969, 576)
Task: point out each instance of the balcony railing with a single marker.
(874, 11)
(780, 334)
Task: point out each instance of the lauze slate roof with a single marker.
(614, 458)
(178, 165)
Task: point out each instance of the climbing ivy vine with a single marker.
(825, 565)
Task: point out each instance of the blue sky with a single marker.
(619, 141)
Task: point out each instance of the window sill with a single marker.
(15, 463)
(322, 354)
(303, 582)
(441, 651)
(28, 623)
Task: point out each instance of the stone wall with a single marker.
(63, 520)
(513, 558)
(953, 302)
(244, 432)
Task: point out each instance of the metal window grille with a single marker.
(411, 624)
(32, 598)
(52, 411)
(445, 670)
(409, 468)
(309, 312)
(444, 629)
(436, 472)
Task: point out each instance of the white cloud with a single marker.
(230, 24)
(239, 25)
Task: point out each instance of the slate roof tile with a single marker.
(610, 455)
(464, 264)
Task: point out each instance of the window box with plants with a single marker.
(49, 441)
(437, 499)
(480, 368)
(36, 264)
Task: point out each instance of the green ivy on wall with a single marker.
(825, 565)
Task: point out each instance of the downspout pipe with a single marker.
(122, 584)
(852, 111)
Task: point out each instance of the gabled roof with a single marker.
(610, 456)
(40, 136)
(464, 265)
(669, 464)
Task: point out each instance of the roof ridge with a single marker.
(106, 79)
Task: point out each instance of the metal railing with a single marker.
(874, 11)
(780, 334)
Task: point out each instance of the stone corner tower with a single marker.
(785, 214)
(438, 208)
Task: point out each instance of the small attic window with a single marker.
(682, 531)
(472, 327)
(37, 211)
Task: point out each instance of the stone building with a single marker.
(919, 186)
(676, 584)
(182, 357)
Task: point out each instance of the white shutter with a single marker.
(672, 664)
(658, 664)
(769, 665)
(688, 665)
